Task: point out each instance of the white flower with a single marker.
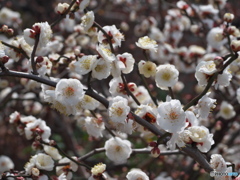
(142, 95)
(117, 87)
(43, 30)
(61, 8)
(224, 78)
(67, 169)
(226, 110)
(14, 117)
(38, 127)
(166, 76)
(87, 103)
(171, 116)
(98, 169)
(201, 136)
(147, 43)
(5, 164)
(180, 139)
(137, 174)
(147, 68)
(191, 119)
(113, 32)
(9, 17)
(44, 65)
(94, 126)
(218, 163)
(118, 150)
(205, 105)
(101, 69)
(127, 60)
(69, 91)
(87, 20)
(204, 70)
(118, 109)
(85, 64)
(83, 4)
(147, 113)
(52, 151)
(105, 52)
(44, 162)
(215, 38)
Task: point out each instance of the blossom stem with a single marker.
(171, 92)
(33, 63)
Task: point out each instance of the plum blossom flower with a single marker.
(136, 174)
(113, 32)
(226, 110)
(98, 169)
(147, 68)
(85, 64)
(147, 43)
(67, 170)
(61, 8)
(101, 69)
(166, 76)
(215, 38)
(205, 105)
(69, 91)
(105, 52)
(5, 164)
(52, 151)
(118, 109)
(218, 163)
(202, 137)
(43, 30)
(118, 150)
(87, 20)
(171, 116)
(127, 60)
(87, 103)
(94, 126)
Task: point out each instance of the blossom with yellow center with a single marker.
(147, 43)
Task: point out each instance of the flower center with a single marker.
(166, 76)
(69, 91)
(173, 115)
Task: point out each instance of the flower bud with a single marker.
(4, 59)
(10, 32)
(35, 171)
(39, 59)
(4, 28)
(228, 17)
(235, 45)
(61, 8)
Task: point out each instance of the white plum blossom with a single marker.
(147, 68)
(38, 126)
(127, 60)
(94, 126)
(14, 117)
(83, 4)
(52, 151)
(9, 17)
(202, 137)
(101, 69)
(118, 109)
(87, 20)
(67, 169)
(105, 52)
(69, 91)
(118, 150)
(137, 174)
(87, 103)
(166, 76)
(98, 169)
(61, 8)
(113, 32)
(43, 30)
(205, 105)
(171, 116)
(218, 163)
(226, 110)
(147, 44)
(191, 119)
(215, 38)
(5, 164)
(85, 64)
(224, 78)
(117, 87)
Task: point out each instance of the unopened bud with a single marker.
(39, 59)
(61, 8)
(35, 172)
(4, 28)
(10, 32)
(218, 125)
(4, 59)
(235, 45)
(228, 17)
(195, 29)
